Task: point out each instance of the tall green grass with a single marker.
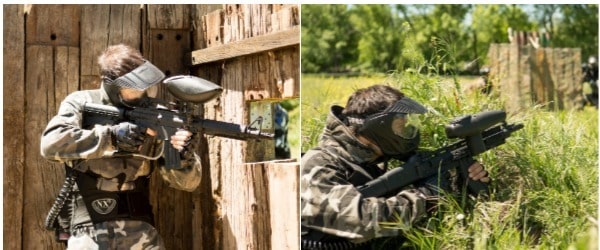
(544, 193)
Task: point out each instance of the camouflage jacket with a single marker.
(330, 201)
(89, 149)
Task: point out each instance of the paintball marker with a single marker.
(189, 90)
(477, 135)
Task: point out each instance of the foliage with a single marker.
(328, 38)
(490, 25)
(578, 28)
(380, 37)
(375, 38)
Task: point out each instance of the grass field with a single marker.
(544, 193)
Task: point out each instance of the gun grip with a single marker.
(476, 188)
(170, 154)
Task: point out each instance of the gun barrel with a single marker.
(232, 130)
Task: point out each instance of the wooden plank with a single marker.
(284, 196)
(577, 88)
(168, 50)
(95, 21)
(199, 29)
(558, 73)
(213, 27)
(275, 75)
(521, 67)
(260, 16)
(573, 78)
(66, 75)
(50, 30)
(53, 25)
(248, 46)
(284, 17)
(232, 153)
(233, 25)
(494, 65)
(43, 177)
(169, 16)
(547, 78)
(105, 25)
(288, 65)
(208, 206)
(537, 75)
(246, 207)
(207, 213)
(166, 42)
(512, 83)
(14, 124)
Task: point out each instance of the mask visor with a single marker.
(141, 78)
(405, 125)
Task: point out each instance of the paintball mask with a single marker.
(139, 79)
(396, 129)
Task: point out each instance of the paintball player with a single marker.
(108, 206)
(590, 77)
(378, 123)
(282, 147)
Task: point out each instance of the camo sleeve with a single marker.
(334, 206)
(186, 179)
(65, 140)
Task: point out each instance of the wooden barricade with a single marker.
(245, 199)
(526, 76)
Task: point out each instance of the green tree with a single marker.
(577, 28)
(440, 34)
(380, 37)
(328, 38)
(490, 24)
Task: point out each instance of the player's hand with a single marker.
(181, 139)
(477, 173)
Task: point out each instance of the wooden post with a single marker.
(52, 60)
(529, 76)
(207, 213)
(575, 89)
(166, 42)
(284, 195)
(257, 75)
(14, 125)
(267, 194)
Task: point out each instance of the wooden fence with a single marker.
(245, 200)
(528, 76)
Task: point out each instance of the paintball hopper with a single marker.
(192, 88)
(470, 127)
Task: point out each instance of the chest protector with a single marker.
(112, 205)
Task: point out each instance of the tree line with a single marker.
(444, 38)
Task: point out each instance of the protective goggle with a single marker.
(396, 129)
(404, 125)
(141, 78)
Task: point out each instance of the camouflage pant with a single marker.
(119, 234)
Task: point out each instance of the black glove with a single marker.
(128, 136)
